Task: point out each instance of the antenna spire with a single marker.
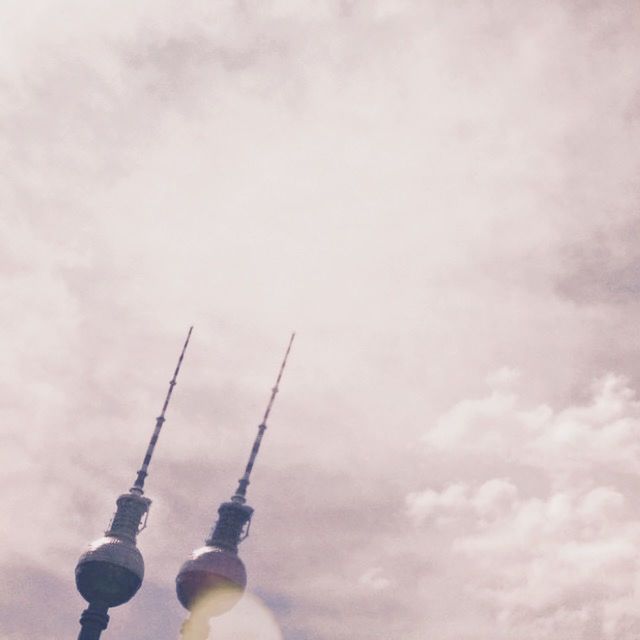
(142, 472)
(241, 491)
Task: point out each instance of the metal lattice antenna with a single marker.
(241, 492)
(142, 472)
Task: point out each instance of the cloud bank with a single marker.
(552, 547)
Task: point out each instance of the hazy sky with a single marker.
(440, 197)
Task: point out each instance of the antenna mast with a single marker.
(241, 491)
(214, 578)
(142, 472)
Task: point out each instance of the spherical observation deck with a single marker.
(212, 581)
(110, 571)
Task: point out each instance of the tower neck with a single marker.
(232, 526)
(127, 521)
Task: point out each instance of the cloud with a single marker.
(555, 557)
(374, 579)
(602, 433)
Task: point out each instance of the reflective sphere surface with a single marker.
(110, 571)
(212, 580)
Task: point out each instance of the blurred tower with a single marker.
(214, 578)
(110, 572)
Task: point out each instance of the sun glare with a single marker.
(250, 619)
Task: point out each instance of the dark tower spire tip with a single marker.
(138, 485)
(243, 483)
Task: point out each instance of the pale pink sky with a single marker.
(441, 198)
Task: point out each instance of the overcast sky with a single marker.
(440, 197)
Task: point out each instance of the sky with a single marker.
(441, 198)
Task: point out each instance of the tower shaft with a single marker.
(93, 621)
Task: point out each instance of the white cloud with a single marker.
(551, 557)
(602, 432)
(374, 579)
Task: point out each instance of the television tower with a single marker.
(214, 578)
(110, 572)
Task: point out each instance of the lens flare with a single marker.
(250, 619)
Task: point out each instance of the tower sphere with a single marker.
(110, 571)
(213, 579)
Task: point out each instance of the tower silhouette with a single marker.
(214, 578)
(110, 572)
